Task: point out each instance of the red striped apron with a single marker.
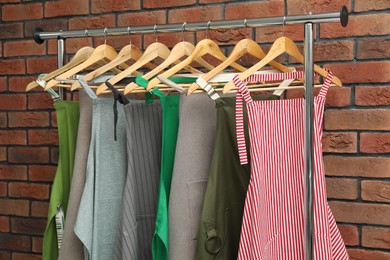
(273, 221)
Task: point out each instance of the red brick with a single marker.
(9, 1)
(368, 119)
(12, 102)
(372, 96)
(3, 154)
(3, 189)
(254, 9)
(371, 167)
(360, 254)
(92, 22)
(41, 137)
(339, 142)
(336, 97)
(376, 237)
(74, 44)
(14, 207)
(350, 234)
(196, 14)
(149, 4)
(41, 65)
(28, 155)
(11, 67)
(66, 7)
(373, 49)
(28, 190)
(169, 39)
(362, 25)
(375, 142)
(214, 1)
(333, 51)
(42, 173)
(13, 172)
(40, 101)
(225, 37)
(4, 224)
(19, 256)
(11, 30)
(361, 213)
(362, 72)
(39, 209)
(3, 83)
(51, 25)
(53, 120)
(54, 155)
(23, 48)
(118, 42)
(19, 83)
(10, 137)
(376, 191)
(37, 244)
(5, 256)
(28, 226)
(22, 12)
(15, 242)
(3, 119)
(297, 7)
(28, 119)
(368, 5)
(142, 18)
(103, 6)
(342, 188)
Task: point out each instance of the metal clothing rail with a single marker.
(308, 20)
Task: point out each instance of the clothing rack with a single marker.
(308, 20)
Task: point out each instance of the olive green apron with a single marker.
(68, 113)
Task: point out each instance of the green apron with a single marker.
(223, 204)
(68, 113)
(170, 108)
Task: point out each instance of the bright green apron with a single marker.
(68, 113)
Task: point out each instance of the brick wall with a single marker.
(357, 118)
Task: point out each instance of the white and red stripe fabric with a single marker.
(273, 221)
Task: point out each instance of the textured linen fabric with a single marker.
(143, 127)
(273, 221)
(72, 248)
(99, 213)
(68, 113)
(194, 150)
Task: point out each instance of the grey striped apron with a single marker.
(143, 127)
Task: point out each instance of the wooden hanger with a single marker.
(81, 55)
(204, 47)
(245, 46)
(100, 53)
(129, 52)
(178, 51)
(153, 51)
(280, 46)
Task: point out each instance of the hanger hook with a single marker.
(284, 23)
(86, 35)
(155, 31)
(207, 29)
(183, 28)
(245, 27)
(128, 33)
(105, 35)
